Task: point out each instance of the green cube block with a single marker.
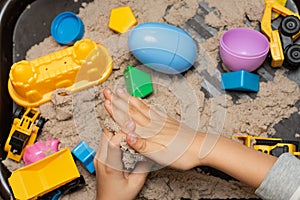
(138, 82)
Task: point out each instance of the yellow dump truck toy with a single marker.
(48, 174)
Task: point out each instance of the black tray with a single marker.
(23, 23)
(20, 28)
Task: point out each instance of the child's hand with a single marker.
(169, 142)
(159, 137)
(112, 181)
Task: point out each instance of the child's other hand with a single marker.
(112, 181)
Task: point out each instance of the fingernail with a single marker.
(130, 125)
(107, 102)
(120, 91)
(131, 138)
(108, 91)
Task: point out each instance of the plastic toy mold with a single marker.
(121, 19)
(40, 150)
(74, 68)
(243, 49)
(138, 82)
(67, 28)
(240, 81)
(85, 154)
(163, 47)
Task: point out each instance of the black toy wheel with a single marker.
(290, 25)
(70, 187)
(18, 112)
(40, 123)
(292, 57)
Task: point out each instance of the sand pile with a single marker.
(81, 116)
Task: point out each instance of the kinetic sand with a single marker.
(81, 116)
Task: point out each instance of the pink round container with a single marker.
(243, 49)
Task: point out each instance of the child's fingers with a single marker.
(137, 110)
(101, 154)
(120, 102)
(123, 106)
(108, 107)
(107, 93)
(141, 145)
(138, 176)
(142, 167)
(140, 105)
(134, 101)
(108, 134)
(113, 103)
(144, 102)
(123, 102)
(117, 114)
(139, 117)
(108, 157)
(114, 164)
(129, 127)
(140, 111)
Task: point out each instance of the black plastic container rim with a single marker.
(10, 11)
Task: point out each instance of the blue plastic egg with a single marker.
(163, 47)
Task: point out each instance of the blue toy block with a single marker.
(85, 154)
(240, 81)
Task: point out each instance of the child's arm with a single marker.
(241, 162)
(169, 142)
(274, 178)
(245, 164)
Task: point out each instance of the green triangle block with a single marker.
(138, 82)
